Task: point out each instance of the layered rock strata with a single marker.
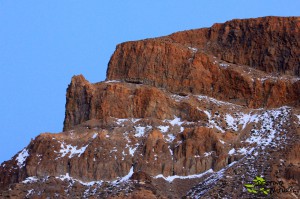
(195, 114)
(208, 61)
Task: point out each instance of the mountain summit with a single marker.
(204, 113)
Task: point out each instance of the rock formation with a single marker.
(190, 61)
(196, 114)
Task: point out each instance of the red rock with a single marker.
(158, 118)
(171, 62)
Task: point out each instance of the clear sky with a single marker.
(44, 43)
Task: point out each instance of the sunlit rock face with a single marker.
(189, 61)
(196, 114)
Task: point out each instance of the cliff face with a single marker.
(182, 69)
(270, 44)
(87, 101)
(190, 61)
(197, 113)
(100, 101)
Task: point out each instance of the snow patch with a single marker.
(170, 138)
(271, 124)
(224, 65)
(112, 81)
(215, 101)
(298, 116)
(244, 119)
(29, 192)
(120, 121)
(72, 180)
(171, 152)
(208, 114)
(72, 150)
(175, 121)
(140, 131)
(231, 152)
(131, 149)
(125, 178)
(171, 178)
(242, 150)
(95, 135)
(240, 119)
(212, 123)
(30, 180)
(134, 120)
(208, 153)
(231, 122)
(209, 181)
(194, 50)
(163, 129)
(21, 158)
(178, 98)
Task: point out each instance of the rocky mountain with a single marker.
(195, 114)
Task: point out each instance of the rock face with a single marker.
(270, 44)
(101, 101)
(189, 61)
(121, 100)
(240, 41)
(195, 114)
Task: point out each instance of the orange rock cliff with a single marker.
(194, 114)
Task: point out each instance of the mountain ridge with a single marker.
(177, 116)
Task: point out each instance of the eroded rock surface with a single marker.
(208, 61)
(195, 114)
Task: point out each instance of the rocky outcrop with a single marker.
(192, 61)
(270, 44)
(180, 69)
(101, 101)
(104, 154)
(178, 116)
(87, 101)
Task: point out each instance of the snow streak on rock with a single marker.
(140, 130)
(269, 129)
(171, 178)
(163, 129)
(298, 116)
(212, 122)
(178, 98)
(91, 186)
(21, 158)
(175, 121)
(30, 180)
(170, 138)
(215, 101)
(112, 81)
(208, 183)
(125, 178)
(120, 121)
(71, 150)
(132, 149)
(29, 192)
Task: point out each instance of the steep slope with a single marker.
(270, 44)
(194, 114)
(190, 61)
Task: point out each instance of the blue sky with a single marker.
(44, 43)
